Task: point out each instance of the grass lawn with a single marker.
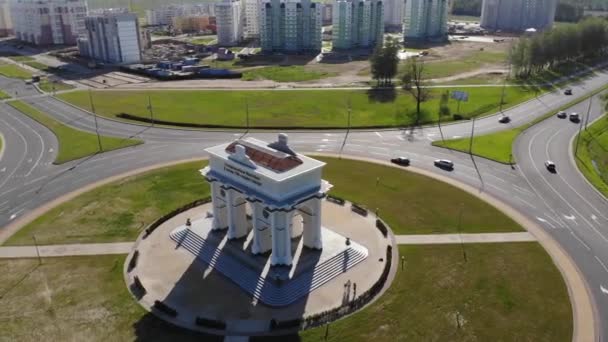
(38, 65)
(592, 157)
(119, 211)
(13, 71)
(504, 292)
(47, 86)
(294, 73)
(293, 108)
(73, 143)
(203, 40)
(76, 299)
(499, 146)
(448, 68)
(21, 59)
(4, 95)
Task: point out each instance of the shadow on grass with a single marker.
(151, 328)
(385, 94)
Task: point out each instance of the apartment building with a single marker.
(291, 26)
(229, 18)
(518, 15)
(425, 20)
(357, 24)
(112, 37)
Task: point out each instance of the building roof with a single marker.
(276, 160)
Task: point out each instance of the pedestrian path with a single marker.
(126, 247)
(433, 239)
(66, 250)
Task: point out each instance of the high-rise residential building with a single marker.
(229, 19)
(48, 22)
(252, 18)
(393, 13)
(425, 20)
(291, 26)
(518, 15)
(357, 24)
(112, 37)
(328, 13)
(164, 15)
(191, 24)
(6, 24)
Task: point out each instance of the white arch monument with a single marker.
(278, 183)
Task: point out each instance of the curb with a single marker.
(572, 159)
(3, 147)
(585, 325)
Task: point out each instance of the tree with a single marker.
(444, 110)
(413, 79)
(384, 62)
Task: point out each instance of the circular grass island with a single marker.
(507, 291)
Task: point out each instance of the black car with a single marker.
(401, 161)
(562, 114)
(568, 91)
(504, 120)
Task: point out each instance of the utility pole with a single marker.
(588, 112)
(95, 119)
(471, 151)
(150, 110)
(464, 252)
(578, 137)
(504, 87)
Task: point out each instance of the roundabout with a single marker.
(574, 221)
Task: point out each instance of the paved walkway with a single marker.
(66, 250)
(432, 239)
(126, 247)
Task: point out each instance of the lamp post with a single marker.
(95, 120)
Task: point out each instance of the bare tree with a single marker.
(413, 82)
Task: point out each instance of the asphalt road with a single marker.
(564, 204)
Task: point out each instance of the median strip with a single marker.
(73, 143)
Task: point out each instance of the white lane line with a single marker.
(24, 154)
(400, 138)
(520, 189)
(568, 184)
(604, 290)
(389, 144)
(380, 154)
(524, 202)
(378, 134)
(34, 180)
(601, 263)
(557, 192)
(581, 241)
(42, 145)
(15, 214)
(540, 219)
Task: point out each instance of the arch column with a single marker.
(281, 239)
(237, 215)
(220, 221)
(262, 240)
(312, 225)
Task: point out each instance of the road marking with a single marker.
(400, 138)
(545, 221)
(17, 213)
(524, 202)
(3, 169)
(601, 263)
(593, 217)
(380, 154)
(51, 150)
(581, 241)
(570, 217)
(456, 137)
(604, 290)
(378, 134)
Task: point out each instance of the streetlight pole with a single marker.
(150, 109)
(588, 112)
(95, 120)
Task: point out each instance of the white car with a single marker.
(550, 166)
(444, 164)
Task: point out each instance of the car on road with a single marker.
(504, 119)
(403, 161)
(444, 164)
(562, 115)
(574, 117)
(550, 166)
(568, 91)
